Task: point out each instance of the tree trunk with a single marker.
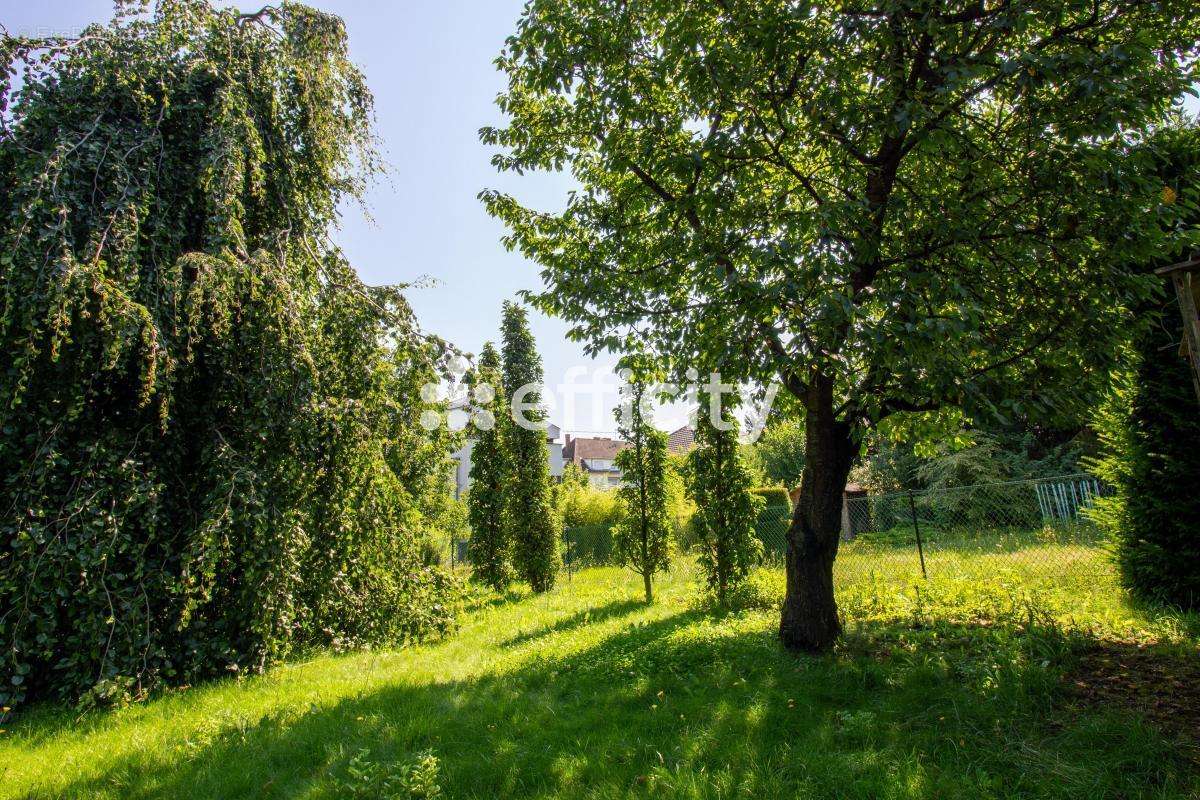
(649, 589)
(809, 620)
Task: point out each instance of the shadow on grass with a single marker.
(1186, 622)
(587, 616)
(688, 707)
(479, 598)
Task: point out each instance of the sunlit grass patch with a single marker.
(947, 687)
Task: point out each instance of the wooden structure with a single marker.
(852, 524)
(1185, 277)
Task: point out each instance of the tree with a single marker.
(891, 208)
(491, 474)
(1150, 431)
(530, 507)
(780, 450)
(1158, 552)
(209, 455)
(726, 512)
(642, 535)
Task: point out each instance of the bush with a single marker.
(1152, 433)
(491, 545)
(780, 450)
(368, 779)
(529, 512)
(641, 539)
(773, 495)
(581, 505)
(588, 517)
(726, 512)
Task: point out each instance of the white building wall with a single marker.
(462, 470)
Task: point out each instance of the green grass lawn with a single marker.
(955, 687)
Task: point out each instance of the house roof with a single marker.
(682, 440)
(579, 448)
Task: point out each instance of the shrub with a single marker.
(772, 495)
(1151, 431)
(642, 537)
(726, 512)
(491, 543)
(585, 505)
(367, 779)
(780, 450)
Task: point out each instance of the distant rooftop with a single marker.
(681, 440)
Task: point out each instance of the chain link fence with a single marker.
(1033, 531)
(581, 547)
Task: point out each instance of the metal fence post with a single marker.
(568, 556)
(912, 507)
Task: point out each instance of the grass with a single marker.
(957, 687)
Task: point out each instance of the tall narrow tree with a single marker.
(891, 207)
(530, 506)
(1151, 428)
(641, 536)
(719, 483)
(491, 469)
(1158, 540)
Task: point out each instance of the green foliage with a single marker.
(1114, 464)
(773, 495)
(641, 537)
(1150, 431)
(366, 779)
(210, 455)
(1153, 461)
(780, 450)
(726, 511)
(680, 507)
(968, 455)
(581, 504)
(491, 543)
(573, 477)
(930, 195)
(530, 509)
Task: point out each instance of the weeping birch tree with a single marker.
(211, 454)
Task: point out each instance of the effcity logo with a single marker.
(458, 405)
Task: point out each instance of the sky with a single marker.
(430, 67)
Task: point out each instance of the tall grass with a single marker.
(950, 687)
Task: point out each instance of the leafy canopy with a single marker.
(928, 203)
(209, 458)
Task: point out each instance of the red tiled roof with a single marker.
(682, 440)
(580, 448)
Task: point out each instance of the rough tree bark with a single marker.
(810, 617)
